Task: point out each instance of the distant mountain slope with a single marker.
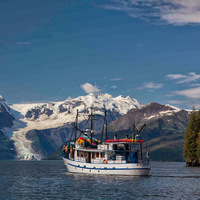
(55, 114)
(7, 149)
(6, 117)
(47, 125)
(165, 127)
(35, 131)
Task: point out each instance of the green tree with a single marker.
(198, 137)
(191, 137)
(198, 148)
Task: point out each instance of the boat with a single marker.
(86, 154)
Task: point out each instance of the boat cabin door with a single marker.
(88, 157)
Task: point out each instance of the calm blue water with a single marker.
(50, 180)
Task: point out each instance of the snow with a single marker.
(4, 104)
(163, 113)
(23, 146)
(23, 124)
(174, 107)
(83, 103)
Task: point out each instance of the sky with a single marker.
(145, 49)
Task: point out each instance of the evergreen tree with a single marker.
(198, 137)
(198, 148)
(191, 136)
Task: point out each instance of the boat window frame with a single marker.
(102, 153)
(97, 153)
(93, 155)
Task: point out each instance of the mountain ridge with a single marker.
(37, 130)
(45, 118)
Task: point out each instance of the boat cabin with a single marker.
(110, 152)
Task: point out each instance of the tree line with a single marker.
(191, 151)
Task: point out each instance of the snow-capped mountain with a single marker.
(4, 108)
(38, 129)
(51, 117)
(150, 113)
(6, 117)
(165, 128)
(7, 150)
(55, 114)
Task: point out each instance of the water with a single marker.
(27, 180)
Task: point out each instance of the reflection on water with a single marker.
(50, 180)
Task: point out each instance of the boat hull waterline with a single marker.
(134, 169)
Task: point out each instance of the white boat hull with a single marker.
(134, 169)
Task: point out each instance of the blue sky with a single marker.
(145, 49)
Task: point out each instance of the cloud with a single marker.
(175, 12)
(195, 85)
(151, 85)
(193, 93)
(23, 43)
(139, 45)
(89, 88)
(116, 79)
(192, 76)
(113, 86)
(176, 102)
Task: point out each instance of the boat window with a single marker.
(97, 154)
(102, 155)
(78, 154)
(93, 155)
(81, 154)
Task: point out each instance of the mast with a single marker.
(92, 126)
(76, 126)
(133, 130)
(106, 124)
(104, 127)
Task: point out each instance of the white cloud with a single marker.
(23, 43)
(175, 76)
(113, 86)
(139, 45)
(89, 88)
(175, 12)
(151, 85)
(116, 79)
(192, 76)
(176, 102)
(195, 85)
(193, 93)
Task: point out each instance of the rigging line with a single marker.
(86, 123)
(127, 130)
(124, 132)
(104, 127)
(82, 132)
